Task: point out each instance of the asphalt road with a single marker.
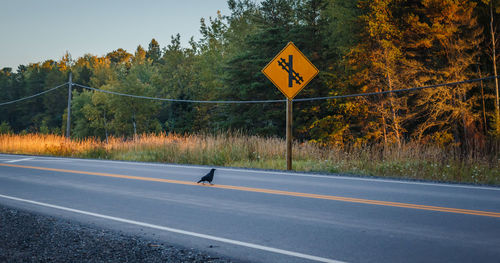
(263, 216)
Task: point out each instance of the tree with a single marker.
(55, 103)
(5, 128)
(133, 115)
(493, 56)
(82, 69)
(268, 32)
(493, 8)
(454, 35)
(310, 35)
(99, 113)
(383, 65)
(34, 110)
(337, 121)
(96, 106)
(6, 89)
(140, 55)
(82, 122)
(154, 51)
(119, 56)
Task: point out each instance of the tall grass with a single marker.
(411, 161)
(46, 144)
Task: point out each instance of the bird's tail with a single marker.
(199, 181)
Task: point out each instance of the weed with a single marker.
(411, 160)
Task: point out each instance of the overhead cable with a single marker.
(178, 100)
(397, 90)
(254, 101)
(32, 96)
(284, 100)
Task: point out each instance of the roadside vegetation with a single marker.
(445, 133)
(409, 161)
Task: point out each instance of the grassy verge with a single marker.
(411, 161)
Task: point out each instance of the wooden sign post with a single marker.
(290, 71)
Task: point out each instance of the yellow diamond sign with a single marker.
(290, 71)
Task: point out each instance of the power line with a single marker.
(255, 101)
(397, 90)
(178, 100)
(32, 96)
(295, 100)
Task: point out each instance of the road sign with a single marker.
(290, 71)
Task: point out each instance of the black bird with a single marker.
(208, 177)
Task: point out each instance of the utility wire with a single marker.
(32, 96)
(295, 100)
(177, 100)
(255, 101)
(397, 90)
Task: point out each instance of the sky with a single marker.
(37, 30)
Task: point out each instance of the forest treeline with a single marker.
(358, 46)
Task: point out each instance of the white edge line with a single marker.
(338, 177)
(179, 231)
(19, 160)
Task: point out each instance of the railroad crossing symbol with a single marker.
(290, 71)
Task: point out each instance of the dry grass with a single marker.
(45, 144)
(412, 160)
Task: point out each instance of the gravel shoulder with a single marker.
(32, 237)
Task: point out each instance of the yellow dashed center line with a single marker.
(276, 192)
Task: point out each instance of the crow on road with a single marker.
(208, 177)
